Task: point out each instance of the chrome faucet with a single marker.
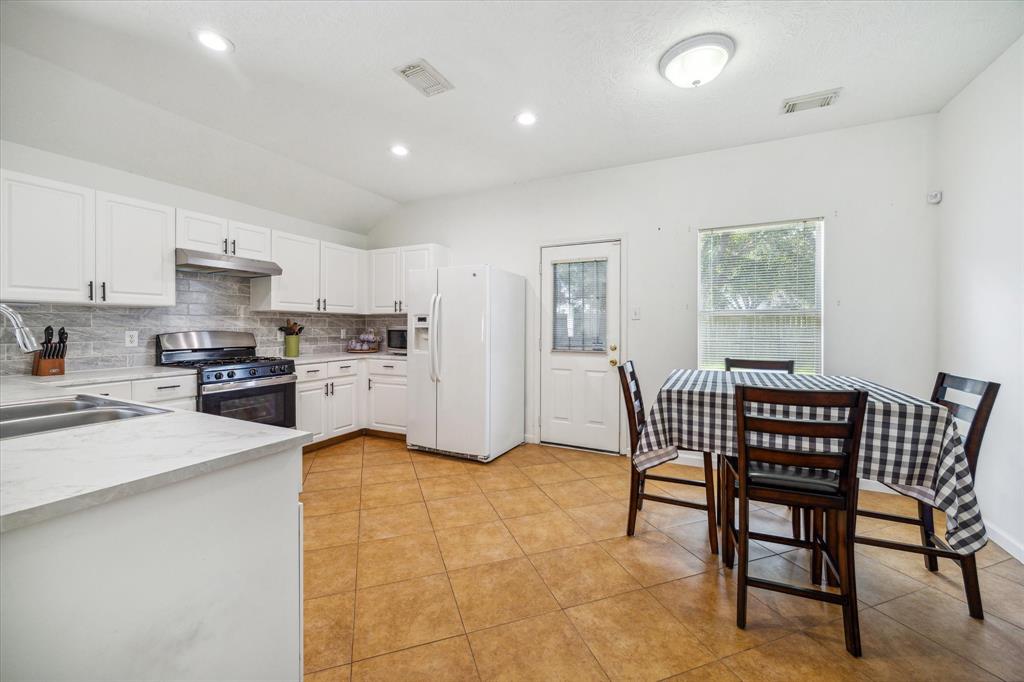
(22, 334)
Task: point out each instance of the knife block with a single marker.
(47, 367)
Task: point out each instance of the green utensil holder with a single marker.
(291, 346)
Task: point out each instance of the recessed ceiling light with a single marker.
(214, 41)
(526, 118)
(399, 150)
(698, 60)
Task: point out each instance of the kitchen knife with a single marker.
(47, 339)
(62, 337)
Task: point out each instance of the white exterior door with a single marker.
(384, 272)
(340, 272)
(47, 240)
(580, 336)
(297, 288)
(201, 232)
(310, 397)
(248, 241)
(134, 251)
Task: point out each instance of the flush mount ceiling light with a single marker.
(214, 41)
(698, 60)
(526, 118)
(399, 150)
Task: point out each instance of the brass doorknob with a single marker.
(613, 347)
(613, 362)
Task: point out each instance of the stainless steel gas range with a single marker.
(232, 380)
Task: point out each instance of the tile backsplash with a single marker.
(204, 302)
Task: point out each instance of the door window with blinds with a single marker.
(580, 306)
(760, 294)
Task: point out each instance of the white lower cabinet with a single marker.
(186, 404)
(309, 407)
(342, 405)
(386, 403)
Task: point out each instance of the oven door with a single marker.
(264, 401)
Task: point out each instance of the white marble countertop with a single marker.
(46, 475)
(332, 357)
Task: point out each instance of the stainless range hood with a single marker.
(203, 261)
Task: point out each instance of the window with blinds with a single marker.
(580, 305)
(760, 294)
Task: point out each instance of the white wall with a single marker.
(868, 182)
(34, 161)
(980, 168)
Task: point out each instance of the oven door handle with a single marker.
(252, 383)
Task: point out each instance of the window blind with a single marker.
(580, 305)
(760, 294)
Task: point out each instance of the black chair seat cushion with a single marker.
(790, 478)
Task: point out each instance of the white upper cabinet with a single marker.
(341, 275)
(47, 240)
(297, 288)
(388, 270)
(249, 241)
(134, 251)
(201, 232)
(385, 274)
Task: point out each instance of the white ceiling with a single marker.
(312, 81)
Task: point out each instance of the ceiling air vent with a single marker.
(815, 100)
(425, 78)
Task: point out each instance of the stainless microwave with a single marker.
(397, 340)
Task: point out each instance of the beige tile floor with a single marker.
(429, 568)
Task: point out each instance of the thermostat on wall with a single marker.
(935, 197)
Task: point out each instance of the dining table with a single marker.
(910, 444)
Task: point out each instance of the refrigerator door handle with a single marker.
(430, 339)
(435, 346)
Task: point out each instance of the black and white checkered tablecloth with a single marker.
(910, 444)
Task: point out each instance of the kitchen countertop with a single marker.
(333, 357)
(51, 474)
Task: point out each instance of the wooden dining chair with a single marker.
(642, 462)
(786, 366)
(819, 477)
(932, 546)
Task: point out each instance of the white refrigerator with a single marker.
(466, 361)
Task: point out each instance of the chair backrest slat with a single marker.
(634, 403)
(977, 417)
(771, 365)
(843, 434)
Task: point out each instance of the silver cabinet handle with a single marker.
(161, 388)
(318, 304)
(388, 366)
(325, 304)
(103, 291)
(396, 306)
(233, 251)
(90, 290)
(369, 384)
(312, 371)
(225, 244)
(332, 388)
(345, 367)
(399, 306)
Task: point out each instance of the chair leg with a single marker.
(969, 567)
(847, 581)
(924, 513)
(634, 491)
(709, 491)
(831, 536)
(816, 532)
(796, 522)
(808, 529)
(741, 581)
(640, 497)
(728, 519)
(721, 489)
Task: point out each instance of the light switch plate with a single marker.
(131, 339)
(636, 312)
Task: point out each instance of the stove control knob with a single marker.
(231, 374)
(253, 372)
(218, 375)
(282, 368)
(273, 369)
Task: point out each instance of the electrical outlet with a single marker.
(636, 312)
(131, 339)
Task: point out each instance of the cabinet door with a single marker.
(47, 240)
(385, 268)
(114, 389)
(340, 275)
(386, 402)
(201, 232)
(413, 258)
(249, 241)
(134, 251)
(297, 288)
(310, 397)
(343, 406)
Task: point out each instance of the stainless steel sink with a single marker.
(23, 419)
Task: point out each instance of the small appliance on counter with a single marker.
(397, 340)
(233, 381)
(49, 359)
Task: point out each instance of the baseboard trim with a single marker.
(1013, 546)
(334, 440)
